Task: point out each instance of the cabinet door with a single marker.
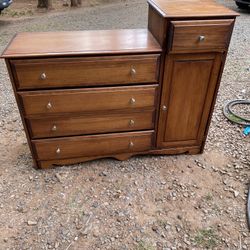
(187, 93)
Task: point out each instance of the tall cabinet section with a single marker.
(194, 36)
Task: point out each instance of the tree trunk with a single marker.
(74, 3)
(49, 5)
(41, 4)
(45, 4)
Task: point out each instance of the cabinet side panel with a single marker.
(12, 79)
(157, 25)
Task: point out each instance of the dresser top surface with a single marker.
(74, 43)
(191, 8)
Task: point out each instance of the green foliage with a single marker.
(14, 13)
(206, 238)
(142, 245)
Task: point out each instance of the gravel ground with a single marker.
(147, 202)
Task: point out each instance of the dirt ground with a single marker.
(25, 9)
(145, 203)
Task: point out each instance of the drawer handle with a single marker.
(132, 101)
(49, 105)
(54, 128)
(131, 144)
(201, 38)
(133, 71)
(164, 107)
(58, 151)
(43, 76)
(131, 123)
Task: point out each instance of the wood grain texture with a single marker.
(94, 145)
(121, 157)
(20, 109)
(157, 25)
(85, 71)
(191, 8)
(188, 90)
(93, 42)
(186, 35)
(88, 100)
(91, 124)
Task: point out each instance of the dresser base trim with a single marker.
(121, 157)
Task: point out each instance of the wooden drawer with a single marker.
(89, 71)
(80, 146)
(88, 100)
(200, 35)
(91, 124)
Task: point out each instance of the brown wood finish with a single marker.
(188, 88)
(88, 100)
(87, 116)
(186, 35)
(85, 71)
(91, 124)
(80, 146)
(191, 9)
(21, 113)
(75, 43)
(157, 26)
(121, 157)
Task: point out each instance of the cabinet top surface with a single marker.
(191, 8)
(70, 43)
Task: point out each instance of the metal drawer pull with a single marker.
(131, 144)
(54, 128)
(58, 151)
(43, 76)
(49, 105)
(164, 107)
(133, 71)
(201, 38)
(131, 123)
(132, 101)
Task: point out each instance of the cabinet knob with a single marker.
(131, 123)
(54, 128)
(164, 107)
(43, 76)
(201, 38)
(131, 144)
(132, 100)
(49, 105)
(133, 71)
(58, 151)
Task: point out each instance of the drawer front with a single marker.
(201, 35)
(81, 146)
(91, 124)
(88, 100)
(95, 71)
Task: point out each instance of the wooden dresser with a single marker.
(92, 94)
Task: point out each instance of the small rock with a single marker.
(236, 193)
(154, 228)
(59, 177)
(91, 179)
(103, 173)
(31, 222)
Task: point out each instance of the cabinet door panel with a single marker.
(188, 90)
